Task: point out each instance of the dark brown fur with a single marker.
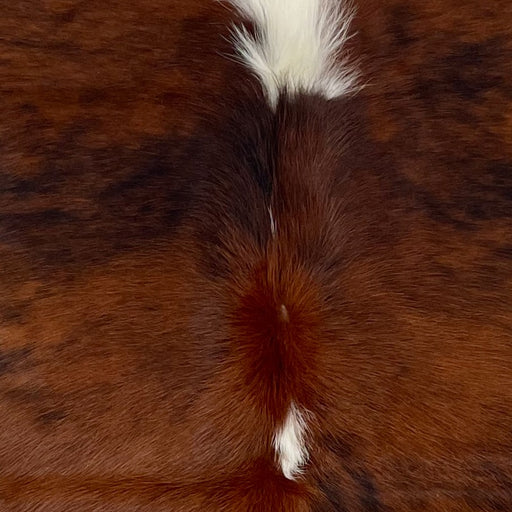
(145, 360)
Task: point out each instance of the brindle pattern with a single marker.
(122, 126)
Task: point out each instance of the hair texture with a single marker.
(213, 302)
(289, 443)
(297, 46)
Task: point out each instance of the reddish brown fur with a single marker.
(145, 360)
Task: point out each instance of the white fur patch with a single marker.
(289, 443)
(297, 46)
